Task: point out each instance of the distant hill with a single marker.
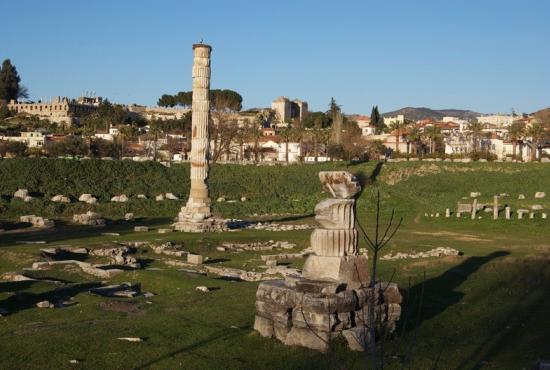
(426, 113)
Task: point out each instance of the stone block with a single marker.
(141, 228)
(358, 339)
(352, 270)
(195, 259)
(318, 341)
(263, 326)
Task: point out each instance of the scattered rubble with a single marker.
(89, 218)
(86, 267)
(256, 246)
(272, 226)
(436, 252)
(169, 249)
(37, 221)
(119, 256)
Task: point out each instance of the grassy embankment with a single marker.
(487, 307)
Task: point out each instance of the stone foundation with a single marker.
(197, 225)
(330, 298)
(310, 313)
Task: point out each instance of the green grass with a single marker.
(484, 309)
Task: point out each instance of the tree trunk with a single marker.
(514, 143)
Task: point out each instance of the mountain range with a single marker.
(427, 113)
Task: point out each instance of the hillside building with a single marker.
(286, 109)
(59, 110)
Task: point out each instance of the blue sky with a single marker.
(484, 55)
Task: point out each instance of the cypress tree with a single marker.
(9, 81)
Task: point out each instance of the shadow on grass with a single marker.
(24, 300)
(440, 292)
(222, 335)
(66, 231)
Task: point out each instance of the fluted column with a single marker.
(198, 205)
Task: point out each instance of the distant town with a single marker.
(285, 132)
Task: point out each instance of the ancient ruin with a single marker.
(196, 215)
(332, 295)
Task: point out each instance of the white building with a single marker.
(498, 120)
(32, 139)
(397, 119)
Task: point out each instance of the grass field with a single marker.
(487, 308)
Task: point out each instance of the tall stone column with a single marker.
(196, 216)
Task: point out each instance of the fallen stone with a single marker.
(129, 216)
(141, 228)
(44, 304)
(475, 194)
(170, 196)
(125, 290)
(131, 339)
(13, 276)
(119, 198)
(37, 221)
(89, 218)
(110, 234)
(21, 193)
(87, 198)
(165, 231)
(243, 199)
(540, 194)
(202, 289)
(142, 196)
(537, 207)
(220, 200)
(195, 259)
(159, 197)
(60, 199)
(521, 196)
